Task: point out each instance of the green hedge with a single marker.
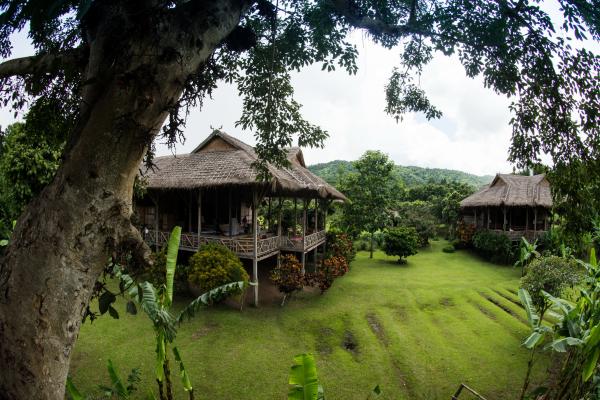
(495, 247)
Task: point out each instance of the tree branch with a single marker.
(373, 25)
(43, 63)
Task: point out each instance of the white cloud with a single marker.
(472, 136)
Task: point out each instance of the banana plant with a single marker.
(156, 304)
(304, 382)
(538, 334)
(527, 252)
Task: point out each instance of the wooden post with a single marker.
(279, 217)
(488, 217)
(190, 212)
(269, 218)
(534, 220)
(475, 216)
(156, 228)
(216, 211)
(255, 249)
(199, 215)
(316, 215)
(304, 205)
(504, 214)
(229, 212)
(295, 215)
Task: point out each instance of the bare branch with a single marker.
(43, 63)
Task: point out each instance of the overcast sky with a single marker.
(473, 135)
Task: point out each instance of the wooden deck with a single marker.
(242, 245)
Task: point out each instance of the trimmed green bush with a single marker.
(213, 266)
(552, 274)
(156, 272)
(401, 241)
(495, 247)
(449, 249)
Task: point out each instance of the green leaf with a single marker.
(205, 299)
(594, 337)
(593, 260)
(590, 364)
(532, 316)
(185, 379)
(3, 242)
(533, 340)
(105, 300)
(72, 391)
(303, 378)
(131, 308)
(113, 313)
(147, 299)
(560, 345)
(172, 251)
(116, 381)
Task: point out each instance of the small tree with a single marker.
(401, 241)
(288, 276)
(370, 191)
(551, 275)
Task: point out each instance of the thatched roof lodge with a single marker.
(515, 204)
(224, 161)
(215, 195)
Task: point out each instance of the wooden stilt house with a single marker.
(516, 205)
(214, 194)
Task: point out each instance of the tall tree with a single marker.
(121, 68)
(371, 193)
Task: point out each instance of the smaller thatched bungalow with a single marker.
(214, 194)
(517, 205)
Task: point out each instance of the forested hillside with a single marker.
(411, 176)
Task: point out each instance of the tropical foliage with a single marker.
(493, 246)
(288, 275)
(371, 191)
(213, 266)
(156, 304)
(551, 275)
(401, 241)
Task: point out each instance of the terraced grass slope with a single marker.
(417, 330)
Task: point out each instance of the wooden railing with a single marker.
(242, 246)
(314, 239)
(514, 236)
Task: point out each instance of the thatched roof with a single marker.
(222, 160)
(512, 190)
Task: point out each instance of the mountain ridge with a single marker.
(411, 175)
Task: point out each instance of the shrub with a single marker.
(465, 233)
(213, 266)
(493, 246)
(331, 268)
(361, 245)
(288, 275)
(156, 272)
(552, 274)
(401, 241)
(449, 249)
(339, 244)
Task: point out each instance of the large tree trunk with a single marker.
(64, 238)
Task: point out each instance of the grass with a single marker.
(417, 330)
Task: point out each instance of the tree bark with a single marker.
(64, 238)
(371, 246)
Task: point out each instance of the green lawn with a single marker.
(417, 330)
